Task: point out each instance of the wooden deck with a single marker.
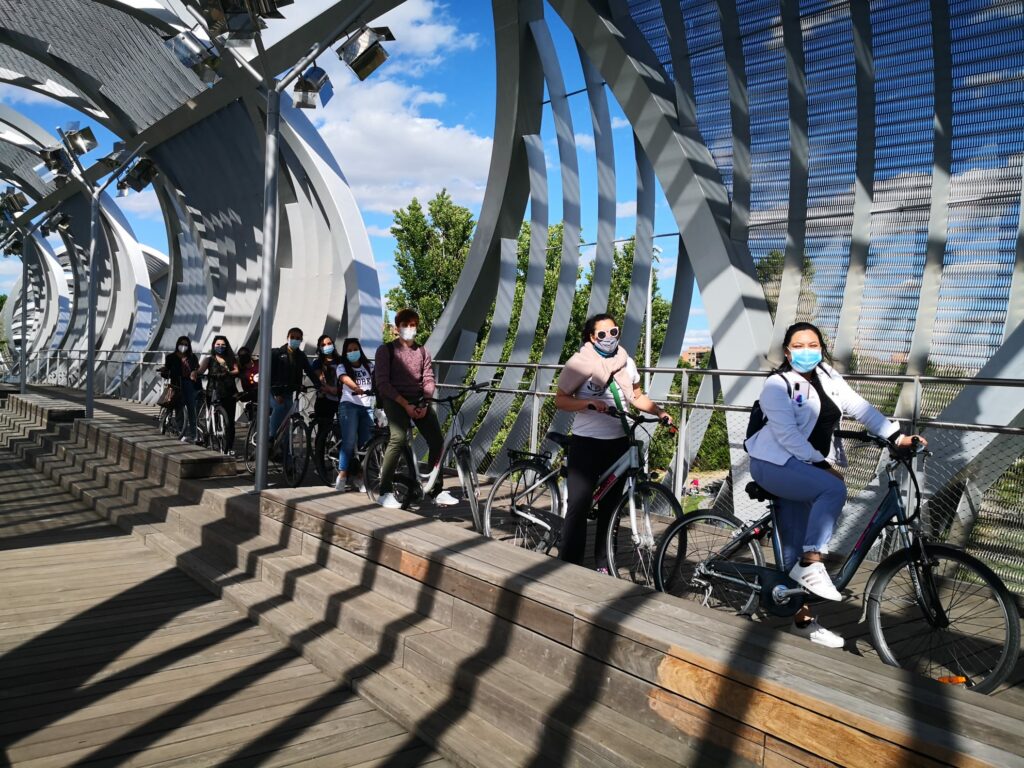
(111, 656)
(843, 618)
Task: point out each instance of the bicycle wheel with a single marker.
(467, 478)
(295, 460)
(249, 453)
(373, 461)
(972, 634)
(656, 509)
(170, 424)
(218, 419)
(325, 452)
(693, 557)
(523, 511)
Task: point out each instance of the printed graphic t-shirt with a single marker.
(590, 423)
(364, 380)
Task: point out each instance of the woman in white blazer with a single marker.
(794, 457)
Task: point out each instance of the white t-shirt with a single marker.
(364, 380)
(590, 423)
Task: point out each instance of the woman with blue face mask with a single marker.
(795, 455)
(355, 409)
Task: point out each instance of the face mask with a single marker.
(606, 347)
(294, 343)
(328, 349)
(220, 349)
(353, 357)
(183, 348)
(804, 360)
(407, 332)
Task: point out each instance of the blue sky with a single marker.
(423, 121)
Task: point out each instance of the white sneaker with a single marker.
(185, 439)
(389, 501)
(818, 634)
(360, 484)
(445, 499)
(339, 483)
(815, 579)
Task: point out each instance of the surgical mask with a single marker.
(407, 332)
(353, 357)
(804, 360)
(220, 349)
(183, 348)
(607, 346)
(294, 343)
(328, 349)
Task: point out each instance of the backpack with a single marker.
(757, 417)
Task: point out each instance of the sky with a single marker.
(420, 123)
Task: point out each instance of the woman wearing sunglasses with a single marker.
(598, 377)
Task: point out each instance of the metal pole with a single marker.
(24, 319)
(535, 416)
(647, 332)
(680, 466)
(267, 286)
(90, 349)
(142, 362)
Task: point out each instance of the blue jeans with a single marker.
(810, 500)
(277, 413)
(355, 422)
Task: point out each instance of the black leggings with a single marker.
(588, 458)
(229, 423)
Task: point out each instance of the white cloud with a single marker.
(625, 210)
(388, 148)
(619, 122)
(585, 142)
(141, 205)
(697, 338)
(374, 231)
(10, 270)
(697, 312)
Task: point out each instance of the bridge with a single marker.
(158, 611)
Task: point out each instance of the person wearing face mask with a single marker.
(288, 364)
(355, 410)
(248, 374)
(598, 377)
(178, 366)
(403, 374)
(223, 368)
(794, 455)
(326, 369)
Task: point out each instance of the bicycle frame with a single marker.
(626, 466)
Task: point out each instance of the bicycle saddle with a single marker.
(562, 441)
(757, 493)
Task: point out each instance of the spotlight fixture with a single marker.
(122, 188)
(82, 140)
(311, 83)
(195, 54)
(138, 176)
(62, 222)
(13, 201)
(231, 19)
(363, 53)
(56, 159)
(113, 160)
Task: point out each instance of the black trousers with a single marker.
(588, 458)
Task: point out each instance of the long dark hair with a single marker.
(796, 328)
(183, 340)
(229, 355)
(364, 361)
(588, 327)
(321, 356)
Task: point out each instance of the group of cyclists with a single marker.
(794, 456)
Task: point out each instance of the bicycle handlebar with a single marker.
(478, 387)
(866, 437)
(638, 420)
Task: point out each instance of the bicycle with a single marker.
(326, 445)
(527, 505)
(289, 445)
(211, 419)
(924, 602)
(411, 485)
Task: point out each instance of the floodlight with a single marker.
(113, 160)
(231, 18)
(122, 188)
(82, 140)
(13, 201)
(195, 54)
(363, 52)
(314, 81)
(62, 222)
(56, 159)
(139, 175)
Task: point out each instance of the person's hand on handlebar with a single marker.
(598, 405)
(911, 441)
(415, 412)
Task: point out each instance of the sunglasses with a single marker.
(613, 332)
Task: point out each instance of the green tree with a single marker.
(430, 252)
